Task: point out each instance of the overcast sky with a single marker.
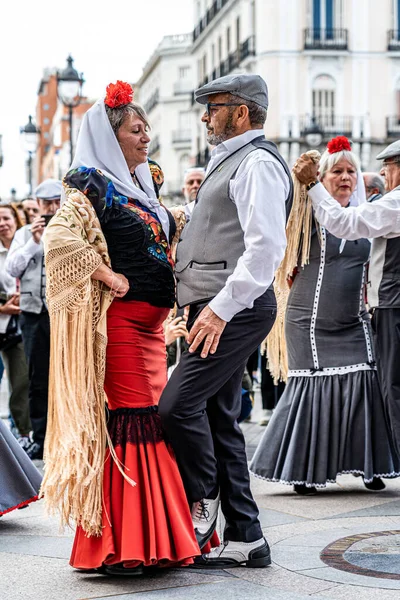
(108, 41)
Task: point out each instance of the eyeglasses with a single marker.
(210, 105)
(385, 163)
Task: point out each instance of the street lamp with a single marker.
(31, 138)
(313, 134)
(69, 90)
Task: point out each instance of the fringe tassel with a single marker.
(298, 234)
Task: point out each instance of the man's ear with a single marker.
(243, 111)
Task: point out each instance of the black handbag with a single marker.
(12, 336)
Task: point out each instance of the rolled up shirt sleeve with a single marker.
(20, 254)
(370, 220)
(259, 191)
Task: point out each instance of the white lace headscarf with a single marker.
(97, 147)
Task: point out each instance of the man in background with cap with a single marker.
(226, 260)
(25, 261)
(379, 220)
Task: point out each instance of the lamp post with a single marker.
(69, 90)
(313, 134)
(31, 137)
(1, 150)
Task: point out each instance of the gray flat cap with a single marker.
(49, 189)
(248, 87)
(391, 150)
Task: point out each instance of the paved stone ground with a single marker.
(342, 544)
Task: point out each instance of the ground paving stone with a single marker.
(238, 590)
(297, 528)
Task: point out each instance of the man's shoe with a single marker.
(304, 490)
(119, 571)
(25, 442)
(35, 452)
(376, 485)
(204, 517)
(236, 554)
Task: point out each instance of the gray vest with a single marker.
(33, 280)
(213, 241)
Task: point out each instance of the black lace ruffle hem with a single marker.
(134, 426)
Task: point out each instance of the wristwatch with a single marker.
(311, 185)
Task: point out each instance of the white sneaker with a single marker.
(204, 517)
(236, 554)
(266, 417)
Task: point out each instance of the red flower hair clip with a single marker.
(338, 144)
(118, 94)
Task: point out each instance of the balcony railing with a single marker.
(393, 127)
(180, 136)
(154, 146)
(330, 125)
(248, 48)
(152, 101)
(202, 158)
(393, 40)
(208, 17)
(326, 39)
(183, 86)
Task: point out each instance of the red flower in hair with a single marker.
(118, 94)
(338, 144)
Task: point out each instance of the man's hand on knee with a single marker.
(208, 327)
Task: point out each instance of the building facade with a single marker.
(164, 90)
(332, 67)
(53, 153)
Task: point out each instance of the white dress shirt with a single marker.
(259, 191)
(21, 252)
(370, 220)
(7, 284)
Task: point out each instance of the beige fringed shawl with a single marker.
(298, 234)
(76, 433)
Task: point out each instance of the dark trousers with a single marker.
(17, 373)
(386, 328)
(36, 335)
(199, 409)
(270, 393)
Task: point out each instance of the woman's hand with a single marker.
(119, 285)
(175, 329)
(305, 169)
(11, 307)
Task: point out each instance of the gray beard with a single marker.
(214, 139)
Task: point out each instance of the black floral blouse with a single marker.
(136, 242)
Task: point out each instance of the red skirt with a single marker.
(149, 523)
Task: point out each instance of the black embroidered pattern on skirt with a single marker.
(134, 426)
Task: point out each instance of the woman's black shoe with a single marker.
(303, 490)
(376, 485)
(120, 571)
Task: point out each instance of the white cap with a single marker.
(49, 189)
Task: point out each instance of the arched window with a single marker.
(323, 100)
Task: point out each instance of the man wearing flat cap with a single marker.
(25, 261)
(226, 260)
(379, 220)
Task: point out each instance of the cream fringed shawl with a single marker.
(298, 234)
(76, 432)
